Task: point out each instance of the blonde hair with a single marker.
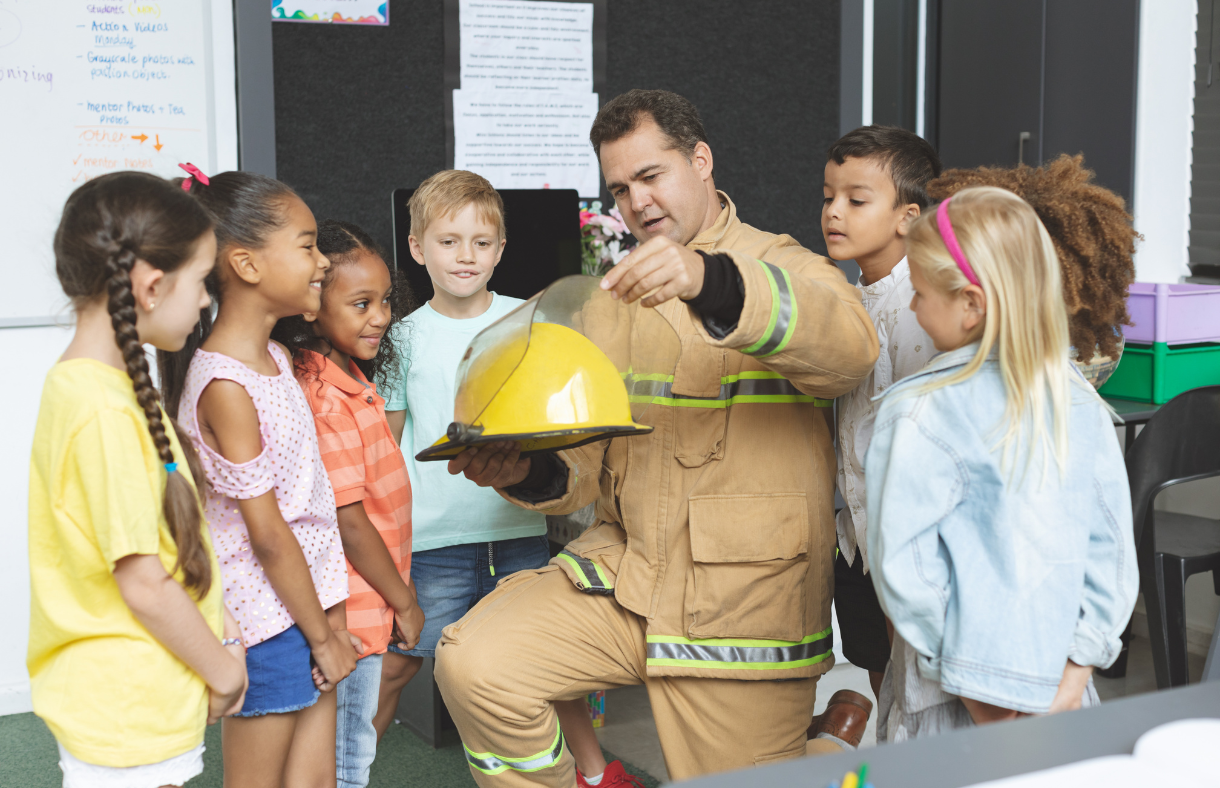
(1015, 262)
(449, 191)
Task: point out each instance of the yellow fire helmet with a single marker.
(559, 371)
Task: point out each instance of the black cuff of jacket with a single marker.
(546, 481)
(723, 296)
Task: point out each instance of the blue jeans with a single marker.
(451, 580)
(355, 736)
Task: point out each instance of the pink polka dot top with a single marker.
(291, 465)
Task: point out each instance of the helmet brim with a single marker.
(533, 443)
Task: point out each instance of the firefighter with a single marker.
(708, 575)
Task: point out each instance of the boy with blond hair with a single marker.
(465, 538)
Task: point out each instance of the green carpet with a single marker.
(28, 757)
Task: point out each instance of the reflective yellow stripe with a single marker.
(775, 307)
(588, 574)
(750, 387)
(602, 575)
(490, 763)
(580, 573)
(739, 654)
(790, 318)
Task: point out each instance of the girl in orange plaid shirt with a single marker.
(339, 356)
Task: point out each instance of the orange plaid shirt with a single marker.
(365, 465)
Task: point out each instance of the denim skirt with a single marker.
(281, 676)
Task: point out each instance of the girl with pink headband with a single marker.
(999, 522)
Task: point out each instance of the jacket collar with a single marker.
(946, 360)
(724, 222)
(330, 372)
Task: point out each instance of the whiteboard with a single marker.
(95, 86)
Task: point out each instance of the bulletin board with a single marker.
(360, 110)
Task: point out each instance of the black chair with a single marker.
(1181, 443)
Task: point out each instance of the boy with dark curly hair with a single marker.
(1093, 237)
(874, 190)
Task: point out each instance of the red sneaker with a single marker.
(613, 777)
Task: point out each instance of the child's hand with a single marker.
(227, 701)
(983, 713)
(1071, 688)
(336, 658)
(408, 624)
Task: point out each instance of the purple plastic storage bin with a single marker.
(1173, 314)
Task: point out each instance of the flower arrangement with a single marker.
(604, 238)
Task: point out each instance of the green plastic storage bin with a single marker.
(1158, 372)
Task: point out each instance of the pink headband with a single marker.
(192, 172)
(950, 239)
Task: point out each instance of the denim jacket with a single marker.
(995, 577)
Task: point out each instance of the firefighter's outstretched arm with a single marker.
(795, 313)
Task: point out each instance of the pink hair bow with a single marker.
(192, 172)
(950, 238)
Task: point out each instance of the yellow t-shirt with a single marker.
(108, 690)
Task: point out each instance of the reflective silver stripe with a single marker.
(785, 313)
(593, 578)
(692, 652)
(489, 763)
(748, 387)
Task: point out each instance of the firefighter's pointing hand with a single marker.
(657, 271)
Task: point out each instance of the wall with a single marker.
(1164, 130)
(1205, 150)
(32, 351)
(358, 109)
(1163, 125)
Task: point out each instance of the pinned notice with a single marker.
(527, 140)
(526, 45)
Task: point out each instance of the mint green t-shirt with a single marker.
(447, 510)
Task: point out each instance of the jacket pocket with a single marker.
(699, 423)
(751, 559)
(591, 561)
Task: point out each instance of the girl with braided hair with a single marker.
(126, 657)
(269, 504)
(1093, 237)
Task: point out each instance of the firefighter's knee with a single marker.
(462, 671)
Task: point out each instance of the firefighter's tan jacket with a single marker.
(718, 527)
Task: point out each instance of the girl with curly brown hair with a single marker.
(343, 353)
(1092, 233)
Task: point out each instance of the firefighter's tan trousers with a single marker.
(538, 639)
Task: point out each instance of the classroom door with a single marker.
(1026, 80)
(990, 82)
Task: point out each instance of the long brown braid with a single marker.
(1092, 233)
(107, 225)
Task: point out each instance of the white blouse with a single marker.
(905, 349)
